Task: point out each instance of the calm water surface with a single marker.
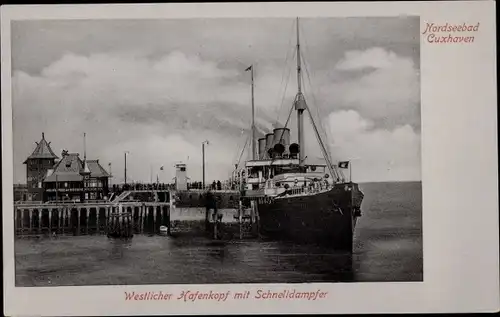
(388, 247)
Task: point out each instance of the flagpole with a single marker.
(110, 175)
(350, 172)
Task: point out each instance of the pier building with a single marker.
(76, 180)
(69, 179)
(37, 165)
(181, 177)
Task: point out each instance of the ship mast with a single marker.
(300, 105)
(253, 120)
(254, 150)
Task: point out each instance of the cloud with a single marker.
(376, 82)
(161, 109)
(376, 154)
(375, 57)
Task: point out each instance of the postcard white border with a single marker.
(459, 169)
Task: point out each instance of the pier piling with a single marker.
(128, 217)
(39, 218)
(78, 220)
(132, 211)
(31, 218)
(85, 218)
(240, 218)
(87, 221)
(22, 221)
(98, 212)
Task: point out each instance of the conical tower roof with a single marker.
(85, 168)
(42, 150)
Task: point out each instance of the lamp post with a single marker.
(203, 159)
(126, 152)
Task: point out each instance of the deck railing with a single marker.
(314, 188)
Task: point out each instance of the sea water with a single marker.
(387, 247)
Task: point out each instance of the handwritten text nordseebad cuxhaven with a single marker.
(450, 33)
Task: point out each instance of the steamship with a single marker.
(295, 200)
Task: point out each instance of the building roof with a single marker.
(42, 150)
(96, 170)
(67, 169)
(71, 167)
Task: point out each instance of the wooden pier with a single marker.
(124, 218)
(86, 218)
(245, 226)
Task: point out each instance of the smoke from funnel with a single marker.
(278, 125)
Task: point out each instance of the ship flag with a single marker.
(249, 68)
(344, 164)
(161, 168)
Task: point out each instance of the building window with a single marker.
(65, 184)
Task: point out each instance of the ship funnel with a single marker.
(282, 137)
(294, 150)
(262, 148)
(269, 143)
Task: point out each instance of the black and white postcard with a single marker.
(249, 158)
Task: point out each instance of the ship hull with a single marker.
(328, 218)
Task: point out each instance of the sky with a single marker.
(159, 88)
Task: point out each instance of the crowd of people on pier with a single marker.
(215, 185)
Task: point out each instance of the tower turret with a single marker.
(37, 165)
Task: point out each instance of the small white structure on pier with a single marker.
(180, 176)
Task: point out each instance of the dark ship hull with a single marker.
(327, 218)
